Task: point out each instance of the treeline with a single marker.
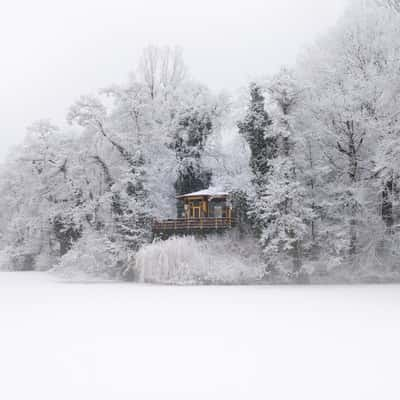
(311, 156)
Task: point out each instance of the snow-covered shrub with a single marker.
(12, 259)
(189, 260)
(93, 256)
(6, 263)
(45, 261)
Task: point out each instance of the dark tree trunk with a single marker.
(387, 204)
(351, 150)
(297, 257)
(353, 237)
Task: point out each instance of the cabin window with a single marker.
(218, 212)
(217, 208)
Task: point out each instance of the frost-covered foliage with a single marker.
(195, 125)
(311, 160)
(254, 128)
(281, 207)
(94, 256)
(117, 173)
(332, 175)
(188, 260)
(351, 94)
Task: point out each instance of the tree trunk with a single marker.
(387, 204)
(353, 237)
(297, 257)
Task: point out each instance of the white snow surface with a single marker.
(206, 192)
(127, 341)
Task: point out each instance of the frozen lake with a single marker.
(105, 341)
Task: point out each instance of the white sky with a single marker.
(54, 50)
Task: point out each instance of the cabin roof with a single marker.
(206, 193)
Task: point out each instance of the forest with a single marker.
(310, 156)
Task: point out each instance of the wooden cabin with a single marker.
(205, 204)
(204, 212)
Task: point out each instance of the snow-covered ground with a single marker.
(125, 341)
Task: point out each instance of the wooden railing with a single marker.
(193, 224)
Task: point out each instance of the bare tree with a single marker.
(392, 4)
(162, 68)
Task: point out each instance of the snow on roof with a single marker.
(212, 192)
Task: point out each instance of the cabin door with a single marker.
(195, 212)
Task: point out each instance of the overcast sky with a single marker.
(54, 50)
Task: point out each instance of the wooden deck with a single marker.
(191, 226)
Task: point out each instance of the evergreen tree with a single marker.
(254, 129)
(196, 121)
(194, 129)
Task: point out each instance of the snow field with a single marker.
(127, 341)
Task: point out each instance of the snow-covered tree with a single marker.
(129, 203)
(350, 78)
(195, 125)
(313, 163)
(254, 129)
(391, 4)
(162, 70)
(281, 208)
